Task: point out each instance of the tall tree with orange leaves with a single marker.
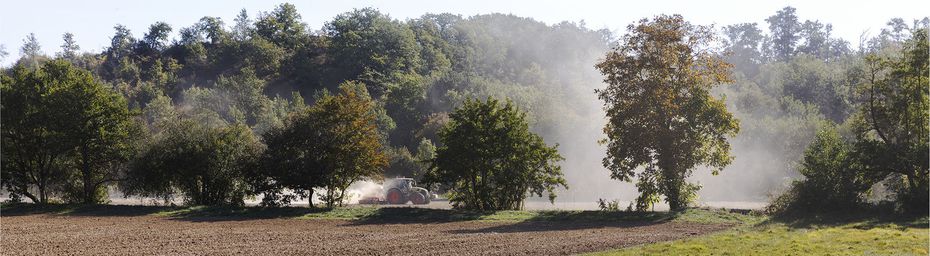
(663, 119)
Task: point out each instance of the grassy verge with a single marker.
(860, 237)
(376, 214)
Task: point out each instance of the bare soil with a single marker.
(57, 234)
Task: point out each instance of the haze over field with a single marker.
(420, 127)
(253, 79)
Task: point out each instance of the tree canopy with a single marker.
(201, 164)
(892, 125)
(327, 146)
(662, 116)
(491, 160)
(59, 121)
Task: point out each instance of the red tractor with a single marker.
(400, 191)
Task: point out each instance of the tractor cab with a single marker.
(400, 183)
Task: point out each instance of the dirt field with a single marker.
(52, 234)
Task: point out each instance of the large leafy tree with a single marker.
(744, 44)
(786, 30)
(99, 128)
(243, 28)
(893, 121)
(369, 46)
(33, 152)
(31, 47)
(491, 160)
(118, 64)
(202, 164)
(283, 27)
(155, 40)
(57, 120)
(663, 120)
(3, 52)
(329, 146)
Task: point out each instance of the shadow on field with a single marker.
(196, 213)
(231, 213)
(539, 226)
(860, 219)
(539, 221)
(388, 215)
(606, 216)
(512, 221)
(576, 220)
(413, 215)
(20, 209)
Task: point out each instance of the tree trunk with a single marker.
(330, 197)
(310, 198)
(44, 171)
(42, 185)
(673, 194)
(89, 192)
(43, 197)
(32, 197)
(672, 181)
(911, 181)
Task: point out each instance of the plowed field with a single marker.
(56, 234)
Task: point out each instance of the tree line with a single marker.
(269, 107)
(70, 136)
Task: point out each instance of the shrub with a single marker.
(205, 165)
(831, 181)
(491, 161)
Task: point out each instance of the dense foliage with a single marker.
(812, 83)
(889, 141)
(885, 149)
(833, 180)
(491, 160)
(59, 123)
(895, 120)
(202, 164)
(70, 131)
(663, 119)
(259, 70)
(327, 146)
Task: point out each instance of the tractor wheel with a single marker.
(428, 198)
(418, 198)
(394, 196)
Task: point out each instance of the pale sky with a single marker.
(92, 22)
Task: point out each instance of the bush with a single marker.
(831, 181)
(608, 205)
(205, 165)
(491, 161)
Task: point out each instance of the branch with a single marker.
(872, 106)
